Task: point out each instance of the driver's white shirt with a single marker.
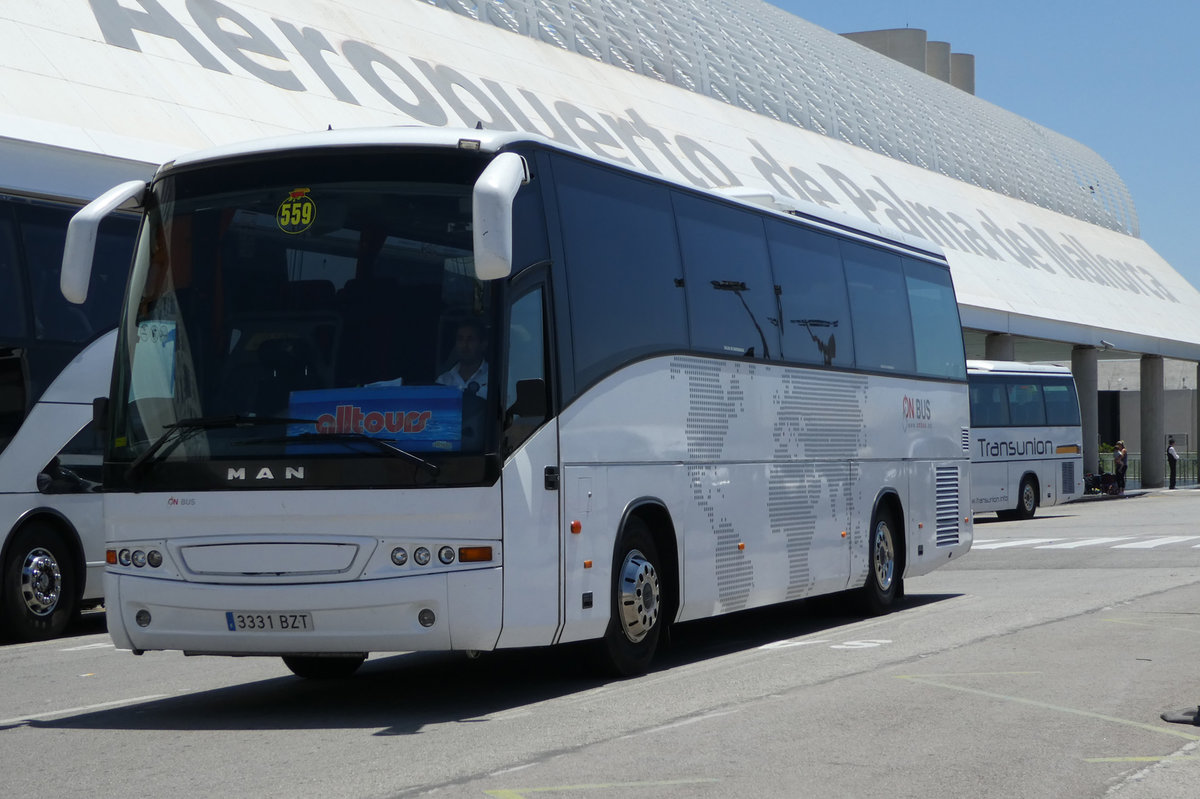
(453, 378)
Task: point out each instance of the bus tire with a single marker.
(1027, 498)
(883, 584)
(39, 589)
(636, 621)
(319, 667)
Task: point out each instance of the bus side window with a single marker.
(12, 333)
(883, 332)
(989, 406)
(526, 390)
(1025, 404)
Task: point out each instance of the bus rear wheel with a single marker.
(884, 582)
(40, 595)
(1027, 498)
(319, 667)
(636, 621)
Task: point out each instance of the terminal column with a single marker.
(1153, 445)
(999, 347)
(1084, 362)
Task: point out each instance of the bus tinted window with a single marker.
(989, 404)
(43, 231)
(1025, 404)
(1062, 406)
(815, 314)
(879, 306)
(935, 324)
(730, 295)
(623, 268)
(12, 307)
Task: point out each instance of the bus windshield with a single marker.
(308, 316)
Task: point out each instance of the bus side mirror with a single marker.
(492, 216)
(82, 231)
(530, 402)
(100, 414)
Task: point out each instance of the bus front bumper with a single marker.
(436, 612)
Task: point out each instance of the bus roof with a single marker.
(1015, 368)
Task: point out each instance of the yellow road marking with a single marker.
(519, 793)
(1152, 626)
(1048, 706)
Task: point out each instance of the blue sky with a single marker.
(1121, 78)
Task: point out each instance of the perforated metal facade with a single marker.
(758, 57)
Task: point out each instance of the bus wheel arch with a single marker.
(886, 555)
(645, 589)
(41, 579)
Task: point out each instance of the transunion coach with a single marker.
(431, 389)
(1026, 437)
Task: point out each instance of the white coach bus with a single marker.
(54, 359)
(427, 389)
(1026, 439)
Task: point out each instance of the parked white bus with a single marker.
(54, 359)
(1026, 439)
(427, 389)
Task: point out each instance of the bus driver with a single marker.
(470, 373)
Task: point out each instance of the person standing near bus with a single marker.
(1120, 463)
(1172, 459)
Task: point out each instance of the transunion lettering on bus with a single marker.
(1014, 449)
(351, 419)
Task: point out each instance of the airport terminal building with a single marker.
(1040, 232)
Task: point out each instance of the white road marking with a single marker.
(81, 709)
(1157, 542)
(1084, 542)
(108, 645)
(1020, 542)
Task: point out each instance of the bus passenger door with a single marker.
(530, 476)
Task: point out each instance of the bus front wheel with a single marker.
(317, 667)
(883, 567)
(39, 586)
(636, 621)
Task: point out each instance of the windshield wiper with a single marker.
(381, 444)
(178, 432)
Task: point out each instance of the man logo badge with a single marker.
(265, 473)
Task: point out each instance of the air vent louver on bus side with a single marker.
(947, 505)
(966, 439)
(1068, 478)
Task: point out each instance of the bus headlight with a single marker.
(422, 556)
(446, 555)
(399, 556)
(139, 558)
(124, 557)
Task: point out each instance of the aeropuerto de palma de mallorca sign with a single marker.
(145, 80)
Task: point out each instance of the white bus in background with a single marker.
(1026, 439)
(691, 405)
(55, 357)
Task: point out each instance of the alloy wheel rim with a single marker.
(883, 555)
(41, 582)
(639, 596)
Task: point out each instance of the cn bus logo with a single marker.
(917, 412)
(238, 473)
